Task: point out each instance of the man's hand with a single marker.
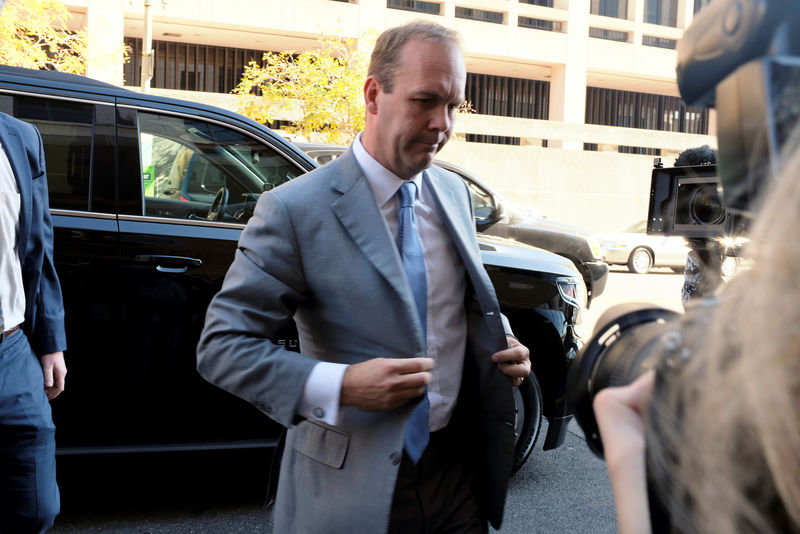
(514, 361)
(385, 383)
(55, 371)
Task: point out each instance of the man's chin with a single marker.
(423, 163)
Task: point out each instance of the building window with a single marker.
(539, 24)
(544, 3)
(610, 35)
(479, 14)
(610, 8)
(506, 97)
(659, 42)
(190, 67)
(663, 12)
(700, 4)
(611, 107)
(431, 8)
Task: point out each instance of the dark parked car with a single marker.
(497, 216)
(149, 196)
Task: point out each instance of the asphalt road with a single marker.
(560, 491)
(661, 287)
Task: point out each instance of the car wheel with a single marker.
(729, 266)
(528, 421)
(640, 261)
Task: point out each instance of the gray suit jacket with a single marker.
(318, 251)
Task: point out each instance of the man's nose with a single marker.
(442, 119)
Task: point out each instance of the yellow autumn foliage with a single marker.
(33, 34)
(323, 86)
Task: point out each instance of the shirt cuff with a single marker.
(321, 392)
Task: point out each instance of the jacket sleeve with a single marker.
(259, 296)
(48, 334)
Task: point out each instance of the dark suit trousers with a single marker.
(29, 498)
(438, 495)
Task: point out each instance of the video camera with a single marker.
(743, 58)
(687, 201)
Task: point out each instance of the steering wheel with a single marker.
(218, 205)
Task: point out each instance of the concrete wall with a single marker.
(599, 191)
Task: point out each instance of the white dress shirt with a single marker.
(446, 316)
(12, 295)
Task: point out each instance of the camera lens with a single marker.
(706, 205)
(629, 340)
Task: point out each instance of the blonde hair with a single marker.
(724, 439)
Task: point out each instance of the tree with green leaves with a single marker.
(323, 85)
(34, 34)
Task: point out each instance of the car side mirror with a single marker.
(485, 216)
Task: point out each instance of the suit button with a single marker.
(395, 458)
(318, 412)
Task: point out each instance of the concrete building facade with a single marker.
(573, 98)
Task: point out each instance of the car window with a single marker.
(322, 159)
(482, 204)
(66, 129)
(186, 163)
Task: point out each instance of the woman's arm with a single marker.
(619, 412)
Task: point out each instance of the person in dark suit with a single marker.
(32, 338)
(399, 407)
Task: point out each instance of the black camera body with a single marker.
(688, 201)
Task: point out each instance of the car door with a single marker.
(675, 250)
(173, 258)
(79, 136)
(668, 250)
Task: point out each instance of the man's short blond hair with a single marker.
(386, 55)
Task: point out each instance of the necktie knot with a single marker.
(407, 194)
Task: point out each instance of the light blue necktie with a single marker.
(418, 429)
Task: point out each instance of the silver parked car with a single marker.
(641, 252)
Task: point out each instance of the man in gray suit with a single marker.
(399, 407)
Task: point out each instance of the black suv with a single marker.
(149, 196)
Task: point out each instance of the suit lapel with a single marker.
(15, 151)
(462, 236)
(361, 217)
(449, 207)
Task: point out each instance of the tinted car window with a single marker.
(482, 204)
(66, 129)
(187, 162)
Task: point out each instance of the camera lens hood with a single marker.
(615, 356)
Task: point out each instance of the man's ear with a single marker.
(372, 89)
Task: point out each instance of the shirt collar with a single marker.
(383, 182)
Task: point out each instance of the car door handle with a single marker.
(169, 264)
